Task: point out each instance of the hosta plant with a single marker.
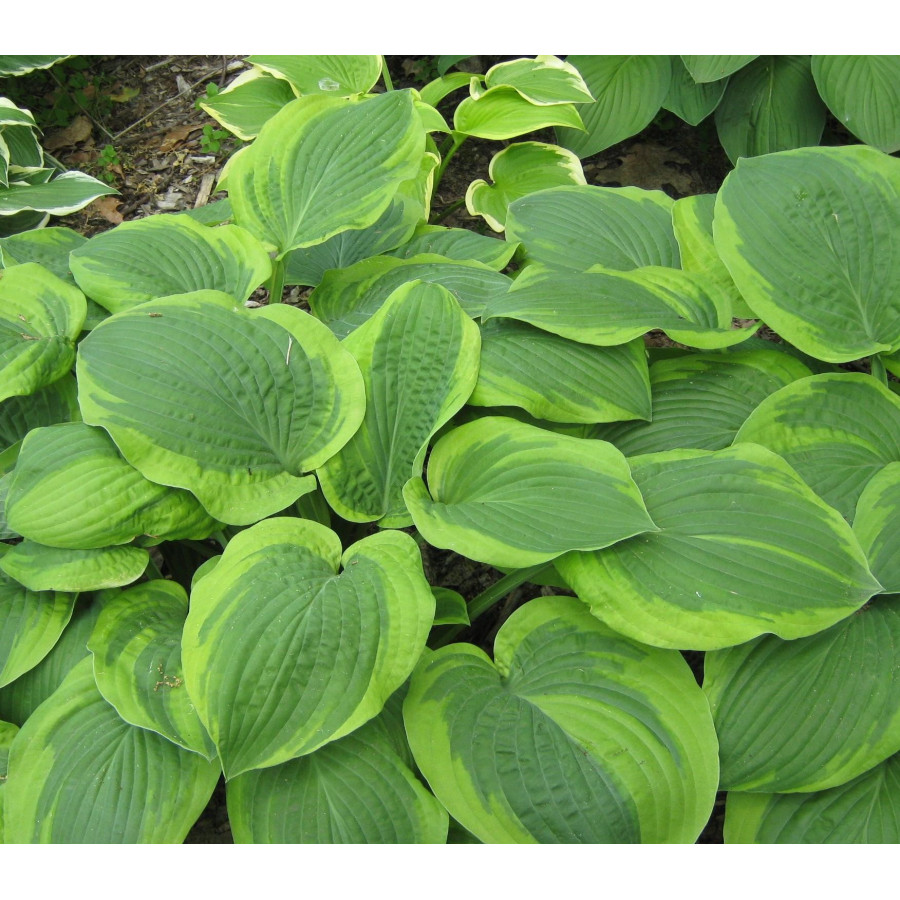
(217, 517)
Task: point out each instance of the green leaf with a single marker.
(458, 244)
(64, 195)
(419, 359)
(72, 489)
(629, 91)
(438, 88)
(80, 774)
(518, 170)
(862, 811)
(30, 624)
(22, 65)
(580, 226)
(244, 401)
(704, 69)
(509, 494)
(744, 547)
(689, 100)
(771, 104)
(136, 645)
(788, 713)
(49, 247)
(836, 430)
(573, 382)
(248, 102)
(50, 405)
(501, 113)
(282, 654)
(877, 525)
(863, 93)
(812, 240)
(543, 81)
(574, 734)
(304, 178)
(357, 790)
(40, 318)
(339, 76)
(450, 607)
(700, 400)
(42, 568)
(7, 732)
(168, 254)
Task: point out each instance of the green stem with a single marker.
(152, 571)
(487, 598)
(450, 209)
(221, 538)
(204, 550)
(458, 140)
(877, 368)
(276, 282)
(388, 84)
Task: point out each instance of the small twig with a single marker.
(81, 107)
(159, 65)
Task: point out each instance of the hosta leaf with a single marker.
(136, 645)
(629, 91)
(50, 405)
(340, 76)
(606, 307)
(42, 568)
(168, 254)
(349, 297)
(21, 65)
(30, 624)
(458, 244)
(518, 170)
(248, 103)
(282, 654)
(574, 734)
(701, 400)
(509, 494)
(713, 68)
(788, 713)
(837, 430)
(812, 240)
(7, 732)
(863, 811)
(863, 93)
(450, 607)
(501, 113)
(72, 489)
(261, 396)
(419, 359)
(877, 525)
(357, 790)
(580, 226)
(40, 318)
(64, 195)
(544, 80)
(744, 548)
(80, 774)
(49, 247)
(688, 99)
(303, 179)
(559, 379)
(769, 105)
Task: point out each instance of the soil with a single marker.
(145, 107)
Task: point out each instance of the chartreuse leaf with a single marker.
(518, 170)
(743, 547)
(606, 307)
(40, 319)
(30, 624)
(877, 525)
(544, 80)
(688, 99)
(704, 69)
(340, 76)
(168, 254)
(865, 810)
(700, 401)
(509, 494)
(558, 379)
(136, 644)
(574, 734)
(49, 247)
(812, 240)
(56, 402)
(863, 93)
(262, 397)
(304, 178)
(42, 568)
(78, 773)
(347, 298)
(72, 489)
(579, 226)
(419, 359)
(458, 244)
(771, 104)
(248, 102)
(356, 790)
(501, 113)
(836, 429)
(283, 654)
(629, 91)
(788, 713)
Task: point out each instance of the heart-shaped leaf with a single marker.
(55, 403)
(688, 99)
(248, 102)
(704, 69)
(574, 734)
(501, 113)
(544, 80)
(49, 247)
(340, 76)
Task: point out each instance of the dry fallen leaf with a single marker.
(177, 136)
(648, 166)
(108, 207)
(78, 131)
